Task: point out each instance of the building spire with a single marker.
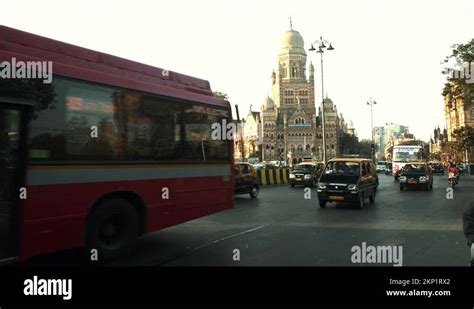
(291, 24)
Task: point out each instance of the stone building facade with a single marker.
(291, 122)
(459, 112)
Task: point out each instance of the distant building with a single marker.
(247, 138)
(292, 125)
(379, 139)
(437, 144)
(459, 112)
(396, 131)
(351, 129)
(391, 135)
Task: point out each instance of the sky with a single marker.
(390, 51)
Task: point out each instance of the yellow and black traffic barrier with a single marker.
(275, 176)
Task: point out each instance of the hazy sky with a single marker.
(388, 50)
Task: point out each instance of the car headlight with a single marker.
(352, 187)
(322, 186)
(403, 178)
(307, 176)
(423, 179)
(292, 176)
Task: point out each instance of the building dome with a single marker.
(268, 104)
(328, 102)
(293, 42)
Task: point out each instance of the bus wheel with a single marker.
(112, 229)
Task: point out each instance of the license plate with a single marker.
(412, 181)
(336, 198)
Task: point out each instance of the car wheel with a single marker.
(401, 188)
(254, 192)
(361, 202)
(322, 204)
(292, 185)
(112, 229)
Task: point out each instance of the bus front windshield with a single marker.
(407, 154)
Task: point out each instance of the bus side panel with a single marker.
(55, 215)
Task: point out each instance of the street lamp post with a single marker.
(322, 46)
(372, 103)
(387, 139)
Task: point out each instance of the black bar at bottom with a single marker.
(243, 285)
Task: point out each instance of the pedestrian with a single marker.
(468, 228)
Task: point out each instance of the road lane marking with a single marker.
(229, 237)
(191, 251)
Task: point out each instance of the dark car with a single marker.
(437, 168)
(416, 175)
(388, 169)
(348, 180)
(246, 180)
(306, 174)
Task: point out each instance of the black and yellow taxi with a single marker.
(348, 180)
(306, 174)
(417, 174)
(246, 180)
(437, 167)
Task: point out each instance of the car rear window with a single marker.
(307, 167)
(342, 168)
(414, 168)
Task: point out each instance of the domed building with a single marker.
(291, 123)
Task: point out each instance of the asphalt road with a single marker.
(282, 228)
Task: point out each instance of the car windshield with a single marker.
(342, 168)
(414, 168)
(406, 154)
(305, 167)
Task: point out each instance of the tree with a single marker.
(220, 95)
(348, 144)
(365, 148)
(463, 140)
(461, 54)
(255, 154)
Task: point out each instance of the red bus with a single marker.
(109, 150)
